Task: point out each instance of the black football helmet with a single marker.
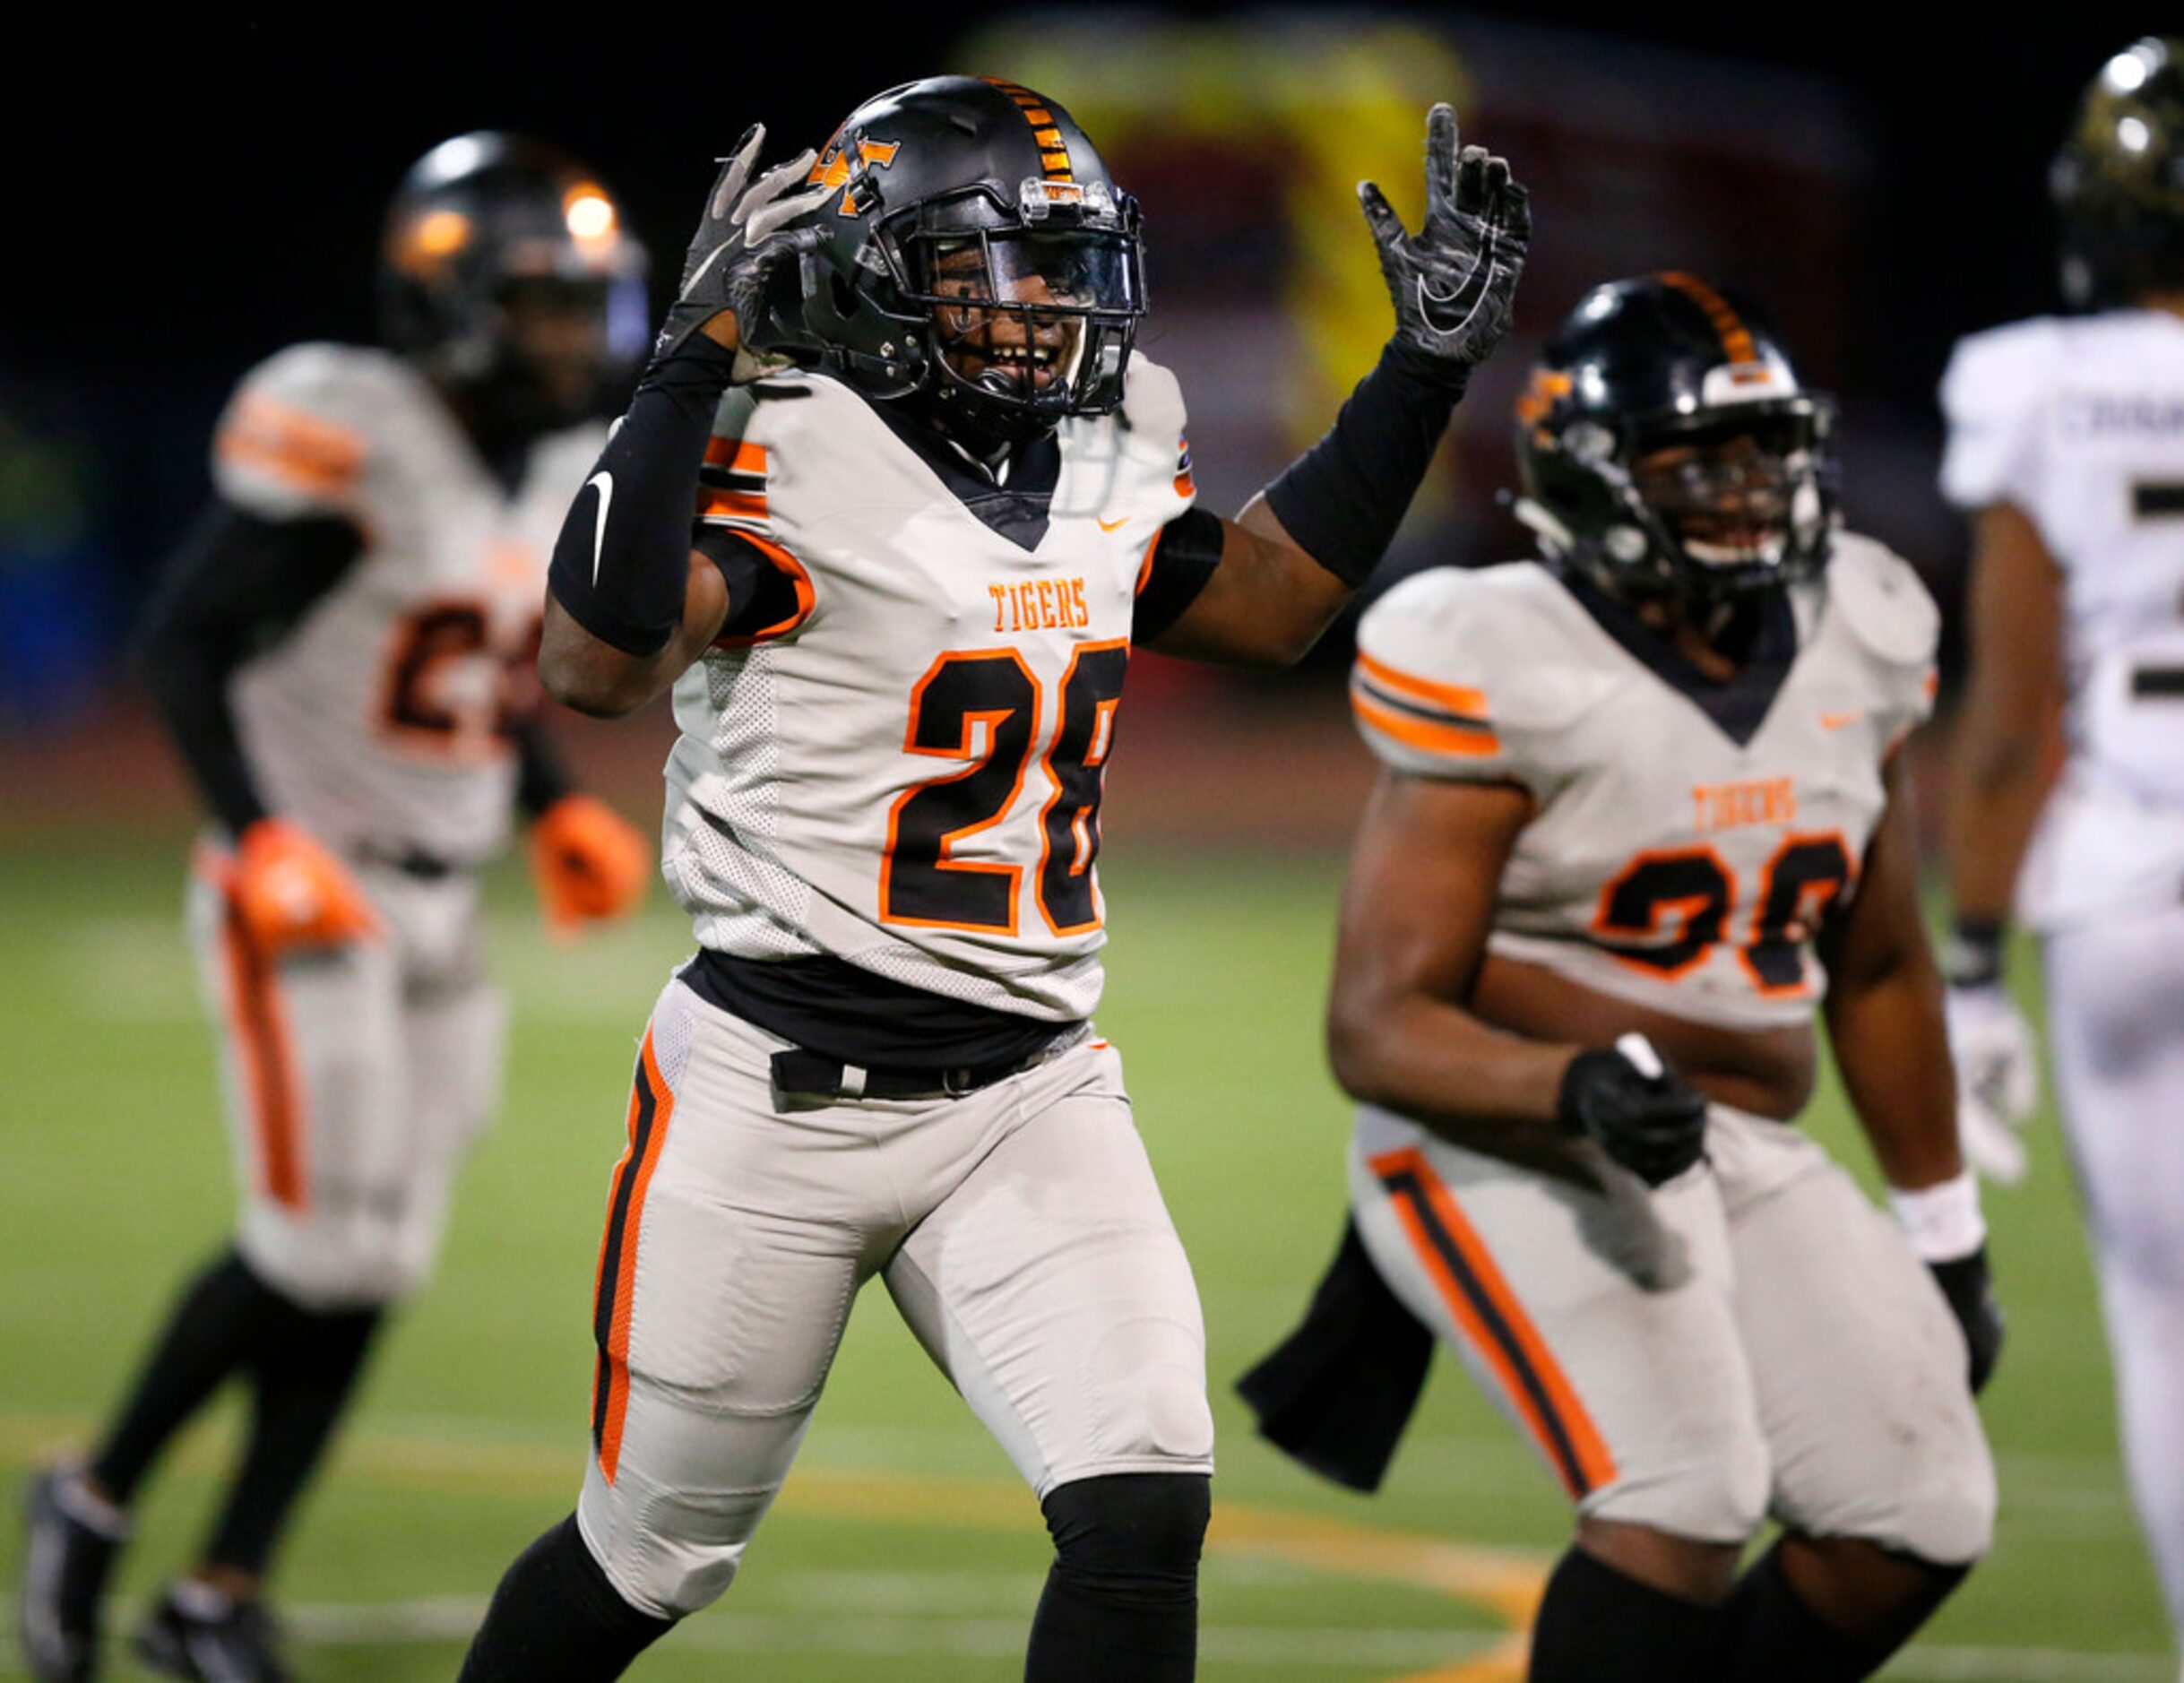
(2118, 180)
(978, 257)
(478, 222)
(1667, 447)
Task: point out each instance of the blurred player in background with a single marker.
(1641, 815)
(897, 638)
(2066, 446)
(343, 653)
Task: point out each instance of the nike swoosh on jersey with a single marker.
(1451, 313)
(1836, 722)
(1115, 525)
(604, 480)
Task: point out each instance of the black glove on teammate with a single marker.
(1454, 282)
(739, 243)
(1651, 1123)
(1968, 1287)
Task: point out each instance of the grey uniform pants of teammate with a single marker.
(1019, 1230)
(357, 1078)
(1754, 1339)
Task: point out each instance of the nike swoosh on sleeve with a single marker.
(604, 480)
(1114, 525)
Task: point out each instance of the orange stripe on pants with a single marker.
(267, 1057)
(1489, 1316)
(651, 1105)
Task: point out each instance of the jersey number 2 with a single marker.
(425, 703)
(983, 706)
(1696, 887)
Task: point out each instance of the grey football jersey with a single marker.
(382, 719)
(1683, 847)
(905, 772)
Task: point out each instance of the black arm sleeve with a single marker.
(542, 778)
(1343, 498)
(1182, 560)
(237, 585)
(622, 562)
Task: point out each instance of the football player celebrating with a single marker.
(2066, 446)
(898, 641)
(1640, 814)
(343, 653)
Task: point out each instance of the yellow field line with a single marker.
(1505, 1582)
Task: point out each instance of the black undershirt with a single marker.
(830, 1006)
(239, 583)
(1763, 641)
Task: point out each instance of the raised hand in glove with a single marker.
(741, 240)
(289, 892)
(1998, 1077)
(1454, 282)
(1639, 1112)
(587, 861)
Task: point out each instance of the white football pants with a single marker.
(2116, 1028)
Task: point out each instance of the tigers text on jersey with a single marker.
(1687, 837)
(904, 773)
(2079, 423)
(380, 720)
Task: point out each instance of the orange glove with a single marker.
(290, 892)
(587, 861)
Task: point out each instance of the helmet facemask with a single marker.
(1030, 320)
(1710, 507)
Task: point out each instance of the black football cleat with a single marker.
(67, 1552)
(214, 1641)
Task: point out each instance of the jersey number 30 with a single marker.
(985, 706)
(1696, 888)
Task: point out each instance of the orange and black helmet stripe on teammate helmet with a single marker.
(1737, 342)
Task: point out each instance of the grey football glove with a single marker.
(740, 242)
(1454, 282)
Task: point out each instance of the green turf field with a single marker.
(902, 1546)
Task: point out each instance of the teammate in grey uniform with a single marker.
(2067, 447)
(920, 563)
(344, 654)
(1640, 817)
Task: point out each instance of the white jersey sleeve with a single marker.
(1897, 626)
(300, 435)
(1995, 395)
(1449, 682)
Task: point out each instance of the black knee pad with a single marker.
(557, 1618)
(1131, 1532)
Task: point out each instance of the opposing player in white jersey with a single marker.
(1640, 819)
(344, 655)
(921, 563)
(2067, 447)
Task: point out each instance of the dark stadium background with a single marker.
(213, 191)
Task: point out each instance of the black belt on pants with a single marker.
(813, 1074)
(414, 861)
